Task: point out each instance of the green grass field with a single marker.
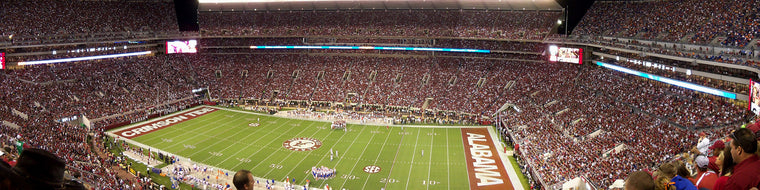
(223, 139)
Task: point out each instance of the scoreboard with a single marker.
(186, 46)
(565, 54)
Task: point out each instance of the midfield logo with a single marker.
(302, 144)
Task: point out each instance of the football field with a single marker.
(364, 156)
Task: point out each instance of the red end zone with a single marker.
(140, 130)
(484, 165)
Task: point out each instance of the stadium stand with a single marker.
(733, 23)
(416, 23)
(44, 22)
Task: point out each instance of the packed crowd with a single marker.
(570, 127)
(729, 86)
(692, 21)
(730, 55)
(38, 19)
(96, 89)
(439, 23)
(475, 86)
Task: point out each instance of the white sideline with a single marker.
(516, 184)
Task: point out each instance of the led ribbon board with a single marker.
(377, 48)
(83, 58)
(687, 85)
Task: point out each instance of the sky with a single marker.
(187, 13)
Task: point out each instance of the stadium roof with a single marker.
(285, 5)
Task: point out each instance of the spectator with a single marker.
(747, 169)
(681, 169)
(639, 180)
(716, 149)
(39, 169)
(243, 180)
(668, 170)
(726, 165)
(705, 178)
(663, 183)
(704, 143)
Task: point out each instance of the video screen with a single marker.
(565, 54)
(2, 60)
(754, 96)
(188, 46)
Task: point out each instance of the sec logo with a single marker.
(371, 169)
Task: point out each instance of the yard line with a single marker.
(359, 159)
(411, 165)
(430, 162)
(292, 151)
(374, 163)
(344, 152)
(394, 159)
(448, 166)
(278, 127)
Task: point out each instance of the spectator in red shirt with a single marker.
(747, 169)
(705, 178)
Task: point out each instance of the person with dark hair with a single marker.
(681, 170)
(705, 178)
(243, 180)
(724, 161)
(639, 180)
(747, 169)
(36, 169)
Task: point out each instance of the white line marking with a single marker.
(375, 163)
(430, 161)
(357, 162)
(413, 154)
(448, 166)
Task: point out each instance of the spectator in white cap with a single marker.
(705, 178)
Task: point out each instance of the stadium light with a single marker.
(559, 21)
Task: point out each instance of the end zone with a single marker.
(142, 129)
(484, 166)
